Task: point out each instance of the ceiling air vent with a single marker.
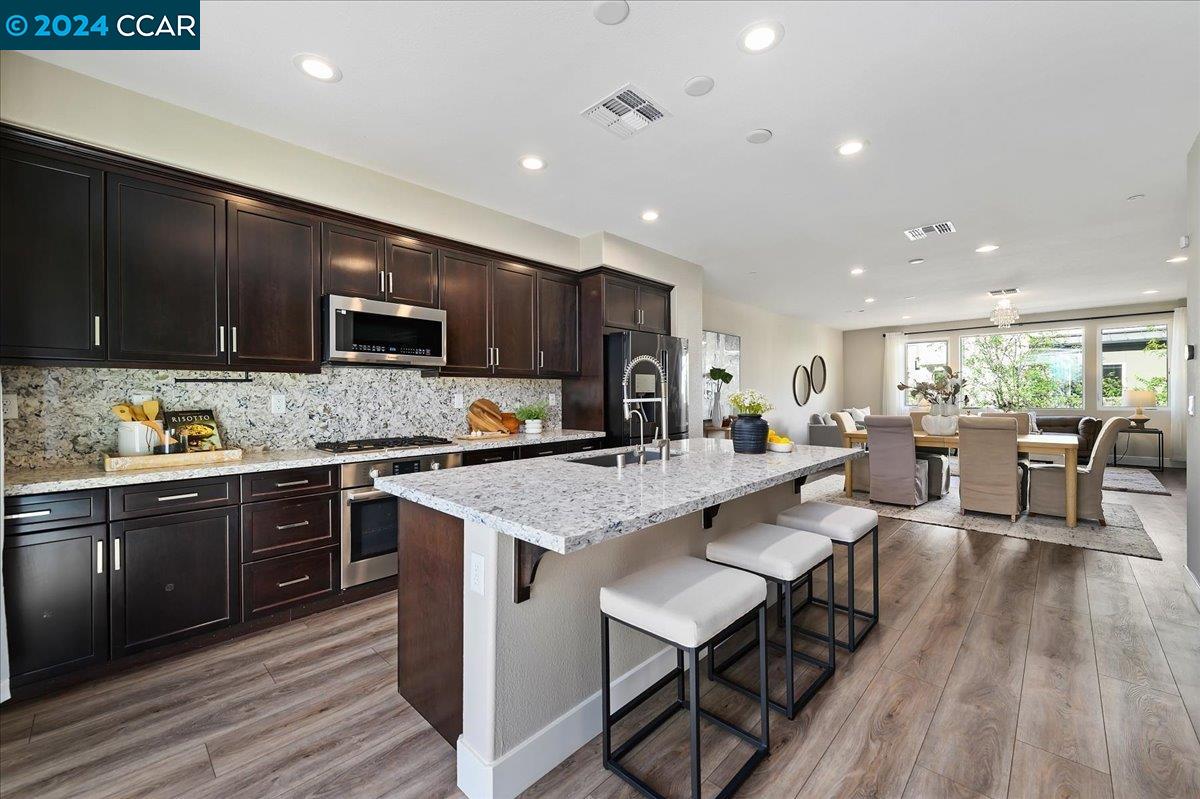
(625, 112)
(1004, 292)
(940, 229)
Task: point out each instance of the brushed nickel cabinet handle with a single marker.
(381, 282)
(116, 554)
(233, 338)
(291, 483)
(389, 282)
(173, 497)
(29, 514)
(96, 329)
(220, 338)
(286, 583)
(541, 359)
(292, 525)
(497, 356)
(99, 557)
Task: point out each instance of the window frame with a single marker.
(1158, 319)
(1050, 327)
(909, 341)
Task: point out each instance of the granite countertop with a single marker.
(565, 506)
(74, 477)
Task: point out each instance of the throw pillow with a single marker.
(859, 414)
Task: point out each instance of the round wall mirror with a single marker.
(801, 385)
(817, 374)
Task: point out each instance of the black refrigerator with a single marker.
(672, 353)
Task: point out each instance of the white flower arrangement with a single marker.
(750, 402)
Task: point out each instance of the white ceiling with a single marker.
(1026, 124)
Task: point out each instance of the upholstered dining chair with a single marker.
(1048, 481)
(939, 481)
(1024, 420)
(990, 480)
(898, 476)
(862, 469)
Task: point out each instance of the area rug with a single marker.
(1125, 534)
(1129, 479)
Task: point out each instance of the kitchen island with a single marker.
(500, 572)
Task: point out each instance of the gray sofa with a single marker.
(822, 432)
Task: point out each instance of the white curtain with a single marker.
(893, 373)
(1177, 384)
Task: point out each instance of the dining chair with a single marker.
(990, 479)
(1048, 481)
(898, 476)
(1024, 420)
(861, 469)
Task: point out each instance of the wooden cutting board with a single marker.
(485, 415)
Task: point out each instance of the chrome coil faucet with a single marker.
(663, 444)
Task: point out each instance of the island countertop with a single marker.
(565, 506)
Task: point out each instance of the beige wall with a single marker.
(772, 346)
(862, 352)
(1193, 434)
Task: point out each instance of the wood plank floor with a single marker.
(1001, 668)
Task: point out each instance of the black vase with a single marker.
(749, 432)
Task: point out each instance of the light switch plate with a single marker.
(10, 407)
(477, 566)
(458, 399)
(278, 403)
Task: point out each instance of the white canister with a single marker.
(135, 438)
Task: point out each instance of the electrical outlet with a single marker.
(477, 565)
(278, 403)
(458, 399)
(140, 396)
(10, 407)
(552, 398)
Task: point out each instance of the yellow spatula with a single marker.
(123, 412)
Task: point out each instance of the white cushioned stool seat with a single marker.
(770, 549)
(838, 522)
(684, 600)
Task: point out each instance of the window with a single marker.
(1133, 357)
(1026, 370)
(921, 358)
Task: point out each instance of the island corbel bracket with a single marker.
(710, 513)
(526, 557)
(798, 483)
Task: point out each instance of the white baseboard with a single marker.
(1191, 585)
(513, 772)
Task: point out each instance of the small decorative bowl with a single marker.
(780, 447)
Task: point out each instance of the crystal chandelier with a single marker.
(1004, 314)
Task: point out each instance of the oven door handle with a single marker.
(365, 496)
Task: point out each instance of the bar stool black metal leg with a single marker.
(763, 701)
(789, 646)
(875, 574)
(831, 615)
(850, 593)
(694, 719)
(605, 693)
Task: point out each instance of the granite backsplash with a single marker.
(64, 413)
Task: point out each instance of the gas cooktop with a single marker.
(371, 444)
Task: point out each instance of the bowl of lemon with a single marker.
(778, 443)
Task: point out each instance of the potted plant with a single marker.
(942, 394)
(749, 429)
(721, 378)
(533, 415)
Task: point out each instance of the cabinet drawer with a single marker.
(291, 483)
(542, 450)
(480, 456)
(586, 445)
(35, 512)
(130, 502)
(271, 585)
(283, 526)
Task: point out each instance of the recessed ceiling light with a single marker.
(858, 270)
(533, 162)
(869, 299)
(760, 37)
(759, 136)
(906, 316)
(1135, 197)
(852, 147)
(1150, 291)
(1178, 259)
(318, 67)
(649, 215)
(699, 86)
(911, 297)
(988, 248)
(915, 261)
(610, 12)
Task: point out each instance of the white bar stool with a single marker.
(785, 557)
(844, 525)
(686, 603)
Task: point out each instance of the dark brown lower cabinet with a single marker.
(171, 577)
(272, 584)
(56, 601)
(482, 456)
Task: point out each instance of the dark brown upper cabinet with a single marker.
(166, 274)
(352, 261)
(558, 325)
(465, 297)
(412, 272)
(514, 320)
(631, 304)
(51, 258)
(274, 275)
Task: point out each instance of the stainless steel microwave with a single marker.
(361, 331)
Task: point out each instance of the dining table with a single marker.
(1061, 444)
